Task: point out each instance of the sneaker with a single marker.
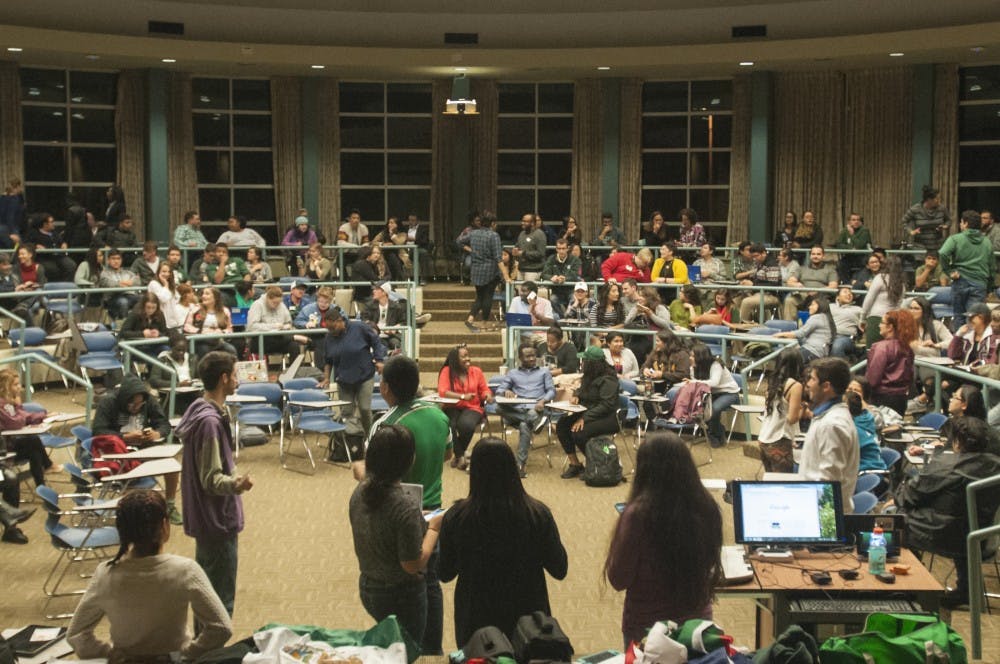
(522, 471)
(454, 461)
(472, 328)
(573, 470)
(422, 319)
(463, 463)
(540, 424)
(174, 516)
(13, 535)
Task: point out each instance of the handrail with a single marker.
(966, 376)
(21, 323)
(975, 560)
(32, 357)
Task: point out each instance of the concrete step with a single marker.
(453, 337)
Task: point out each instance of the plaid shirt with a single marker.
(485, 246)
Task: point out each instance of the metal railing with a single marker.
(975, 560)
(965, 376)
(25, 359)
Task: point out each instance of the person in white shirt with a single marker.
(725, 390)
(528, 302)
(165, 289)
(238, 235)
(268, 314)
(353, 232)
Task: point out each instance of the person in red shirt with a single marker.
(624, 265)
(460, 379)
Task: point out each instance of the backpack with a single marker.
(109, 444)
(252, 436)
(690, 403)
(538, 636)
(603, 467)
(489, 644)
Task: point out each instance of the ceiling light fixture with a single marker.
(14, 49)
(604, 68)
(92, 56)
(746, 63)
(460, 102)
(897, 54)
(168, 60)
(317, 66)
(977, 49)
(461, 69)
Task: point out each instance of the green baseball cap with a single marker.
(592, 353)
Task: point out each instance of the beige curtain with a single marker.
(739, 166)
(11, 138)
(130, 137)
(484, 145)
(807, 147)
(286, 142)
(588, 131)
(181, 173)
(944, 169)
(443, 130)
(329, 159)
(878, 149)
(630, 159)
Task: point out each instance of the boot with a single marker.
(13, 535)
(11, 516)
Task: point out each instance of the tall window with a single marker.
(979, 139)
(535, 151)
(69, 138)
(385, 150)
(686, 144)
(232, 142)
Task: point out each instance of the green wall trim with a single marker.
(310, 148)
(611, 119)
(157, 185)
(923, 128)
(761, 92)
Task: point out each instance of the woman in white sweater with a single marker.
(885, 294)
(145, 593)
(165, 290)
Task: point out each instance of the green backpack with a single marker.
(897, 638)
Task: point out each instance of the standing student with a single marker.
(485, 269)
(885, 294)
(782, 411)
(831, 451)
(968, 259)
(890, 361)
(213, 507)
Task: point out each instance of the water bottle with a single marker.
(876, 552)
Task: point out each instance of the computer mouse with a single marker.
(820, 578)
(848, 574)
(886, 577)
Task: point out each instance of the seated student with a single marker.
(10, 515)
(244, 295)
(383, 312)
(930, 273)
(317, 267)
(974, 342)
(296, 298)
(558, 353)
(199, 269)
(863, 278)
(238, 235)
(13, 416)
(460, 379)
(562, 269)
(934, 501)
(599, 393)
(227, 270)
(365, 269)
(114, 276)
(146, 321)
(686, 307)
(816, 273)
(725, 390)
(185, 366)
(269, 314)
(211, 317)
(722, 311)
(818, 332)
(528, 301)
(647, 313)
(847, 319)
(762, 273)
(884, 416)
(712, 268)
(864, 423)
(145, 594)
(175, 260)
(622, 359)
(530, 381)
(667, 269)
(146, 266)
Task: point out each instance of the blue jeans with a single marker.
(964, 295)
(525, 421)
(843, 346)
(407, 601)
(219, 558)
(720, 404)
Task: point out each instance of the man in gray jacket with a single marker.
(268, 314)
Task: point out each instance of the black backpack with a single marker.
(603, 466)
(539, 637)
(487, 643)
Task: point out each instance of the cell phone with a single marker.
(430, 515)
(532, 297)
(620, 508)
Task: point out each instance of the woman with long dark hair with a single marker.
(890, 361)
(460, 379)
(622, 360)
(664, 552)
(212, 317)
(932, 339)
(145, 594)
(817, 334)
(499, 542)
(721, 312)
(116, 209)
(609, 312)
(670, 360)
(391, 539)
(809, 233)
(725, 390)
(885, 294)
(88, 272)
(786, 235)
(782, 412)
(145, 321)
(598, 391)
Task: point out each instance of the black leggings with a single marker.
(897, 402)
(484, 300)
(573, 440)
(30, 449)
(464, 422)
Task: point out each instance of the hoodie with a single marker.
(970, 254)
(112, 416)
(212, 506)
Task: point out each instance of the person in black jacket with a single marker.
(146, 321)
(115, 211)
(499, 542)
(43, 234)
(365, 268)
(598, 391)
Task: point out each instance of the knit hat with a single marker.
(299, 221)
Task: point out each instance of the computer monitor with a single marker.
(784, 515)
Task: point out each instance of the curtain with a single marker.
(739, 169)
(286, 141)
(328, 127)
(484, 145)
(808, 139)
(878, 150)
(11, 138)
(630, 159)
(181, 173)
(944, 169)
(130, 137)
(588, 142)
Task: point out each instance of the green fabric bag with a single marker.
(897, 638)
(384, 634)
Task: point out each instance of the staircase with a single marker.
(449, 303)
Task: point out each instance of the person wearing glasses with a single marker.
(462, 380)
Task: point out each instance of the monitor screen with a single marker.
(788, 513)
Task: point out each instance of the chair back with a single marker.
(864, 502)
(712, 329)
(270, 391)
(30, 336)
(81, 432)
(763, 331)
(99, 342)
(866, 482)
(932, 420)
(50, 498)
(33, 407)
(890, 456)
(300, 384)
(59, 285)
(939, 294)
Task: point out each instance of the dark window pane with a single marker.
(88, 87)
(979, 198)
(408, 98)
(554, 133)
(555, 98)
(358, 132)
(89, 125)
(555, 168)
(980, 82)
(211, 129)
(361, 168)
(512, 204)
(51, 199)
(667, 201)
(516, 98)
(664, 97)
(515, 169)
(93, 164)
(43, 85)
(213, 166)
(93, 199)
(709, 168)
(711, 204)
(711, 131)
(405, 201)
(711, 95)
(411, 133)
(412, 169)
(979, 164)
(44, 124)
(979, 123)
(370, 202)
(553, 204)
(252, 131)
(669, 168)
(213, 204)
(516, 133)
(254, 203)
(253, 168)
(45, 164)
(665, 131)
(361, 98)
(210, 93)
(251, 96)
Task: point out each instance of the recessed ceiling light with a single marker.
(977, 49)
(461, 69)
(92, 56)
(603, 68)
(168, 60)
(318, 66)
(14, 49)
(897, 54)
(746, 63)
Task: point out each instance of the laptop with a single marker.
(518, 320)
(238, 316)
(292, 369)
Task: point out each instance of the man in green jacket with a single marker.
(968, 259)
(855, 235)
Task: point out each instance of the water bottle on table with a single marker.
(876, 552)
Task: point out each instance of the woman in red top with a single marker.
(721, 312)
(14, 416)
(459, 379)
(890, 361)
